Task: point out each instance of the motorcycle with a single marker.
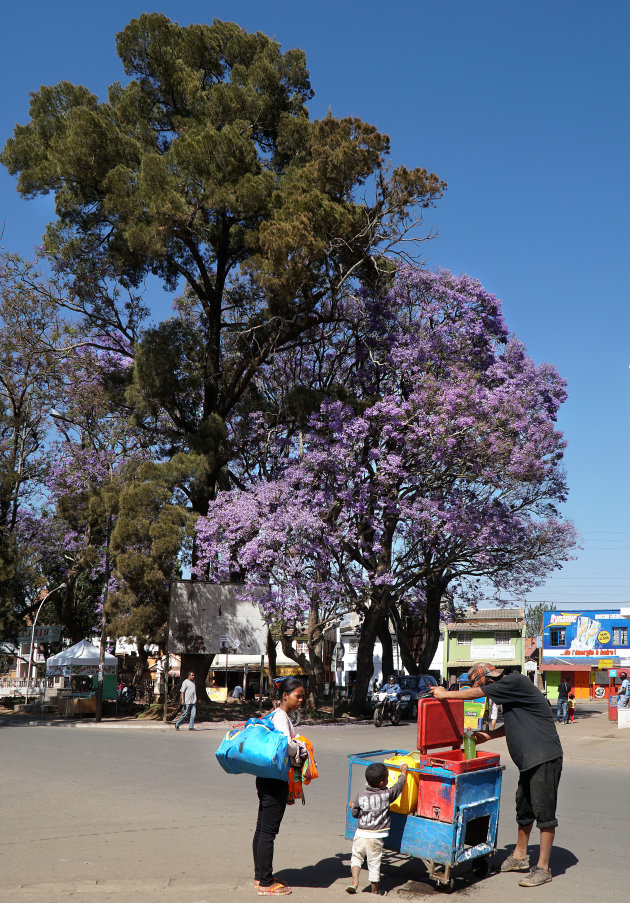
(384, 707)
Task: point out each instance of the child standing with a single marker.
(570, 709)
(371, 807)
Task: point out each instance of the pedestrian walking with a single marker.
(535, 748)
(273, 794)
(571, 709)
(564, 688)
(624, 691)
(188, 698)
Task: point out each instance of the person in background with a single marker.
(571, 709)
(494, 714)
(188, 698)
(237, 692)
(392, 687)
(535, 748)
(624, 691)
(564, 688)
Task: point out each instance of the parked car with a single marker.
(412, 688)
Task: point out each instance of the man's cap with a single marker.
(478, 673)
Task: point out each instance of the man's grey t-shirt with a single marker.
(189, 691)
(530, 730)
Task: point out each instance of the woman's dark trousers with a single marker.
(272, 801)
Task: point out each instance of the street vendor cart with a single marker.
(453, 818)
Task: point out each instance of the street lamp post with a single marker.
(101, 651)
(30, 657)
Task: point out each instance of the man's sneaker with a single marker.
(512, 864)
(536, 876)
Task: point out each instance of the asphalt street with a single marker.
(95, 814)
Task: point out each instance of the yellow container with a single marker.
(407, 802)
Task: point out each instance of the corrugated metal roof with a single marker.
(499, 662)
(462, 627)
(494, 614)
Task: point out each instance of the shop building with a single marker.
(485, 635)
(584, 646)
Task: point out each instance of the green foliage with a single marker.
(534, 618)
(32, 338)
(205, 170)
(153, 526)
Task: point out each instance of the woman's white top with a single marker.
(282, 722)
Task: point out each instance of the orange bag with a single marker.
(309, 769)
(304, 775)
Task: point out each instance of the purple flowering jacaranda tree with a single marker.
(442, 469)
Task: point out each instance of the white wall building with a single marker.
(350, 641)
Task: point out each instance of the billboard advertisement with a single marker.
(210, 618)
(580, 637)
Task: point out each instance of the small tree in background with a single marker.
(534, 618)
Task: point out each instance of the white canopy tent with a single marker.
(82, 658)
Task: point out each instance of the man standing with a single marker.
(624, 691)
(535, 749)
(188, 698)
(564, 688)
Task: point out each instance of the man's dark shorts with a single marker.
(537, 794)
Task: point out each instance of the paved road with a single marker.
(91, 814)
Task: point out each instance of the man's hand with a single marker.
(482, 736)
(403, 768)
(438, 692)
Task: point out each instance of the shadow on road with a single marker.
(561, 858)
(408, 874)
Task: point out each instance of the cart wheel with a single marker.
(481, 867)
(395, 717)
(446, 887)
(378, 717)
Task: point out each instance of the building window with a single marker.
(502, 638)
(301, 647)
(463, 639)
(354, 645)
(620, 636)
(557, 636)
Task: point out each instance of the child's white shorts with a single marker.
(371, 849)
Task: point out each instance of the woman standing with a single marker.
(273, 794)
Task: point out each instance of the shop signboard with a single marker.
(492, 652)
(474, 710)
(44, 633)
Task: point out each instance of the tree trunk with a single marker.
(143, 662)
(312, 664)
(434, 594)
(365, 656)
(387, 657)
(271, 662)
(408, 660)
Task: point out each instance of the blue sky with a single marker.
(522, 109)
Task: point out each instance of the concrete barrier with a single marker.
(623, 717)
